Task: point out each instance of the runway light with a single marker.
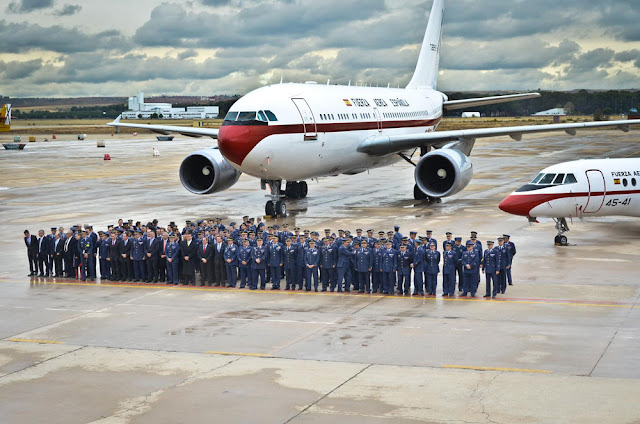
(442, 173)
(206, 171)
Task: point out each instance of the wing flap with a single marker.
(483, 101)
(384, 145)
(168, 129)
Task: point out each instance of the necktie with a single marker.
(113, 243)
(204, 249)
(29, 240)
(164, 247)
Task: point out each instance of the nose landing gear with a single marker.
(562, 227)
(294, 190)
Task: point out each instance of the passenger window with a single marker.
(547, 179)
(231, 116)
(570, 179)
(262, 116)
(633, 182)
(559, 179)
(624, 182)
(246, 116)
(271, 116)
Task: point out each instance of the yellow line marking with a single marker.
(33, 341)
(312, 293)
(253, 355)
(464, 367)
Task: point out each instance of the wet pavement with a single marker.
(560, 346)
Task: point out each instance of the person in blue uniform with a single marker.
(388, 266)
(419, 269)
(489, 268)
(449, 240)
(244, 263)
(328, 256)
(231, 262)
(343, 265)
(376, 274)
(138, 257)
(459, 249)
(511, 247)
(397, 237)
(449, 263)
(103, 254)
(504, 262)
(172, 253)
(364, 265)
(290, 257)
(275, 262)
(311, 261)
(470, 264)
(404, 261)
(432, 261)
(301, 269)
(353, 280)
(430, 238)
(86, 257)
(259, 260)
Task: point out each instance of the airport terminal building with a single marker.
(138, 109)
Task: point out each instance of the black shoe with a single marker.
(324, 290)
(316, 290)
(511, 284)
(486, 295)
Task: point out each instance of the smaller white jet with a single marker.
(579, 189)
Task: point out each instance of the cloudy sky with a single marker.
(68, 48)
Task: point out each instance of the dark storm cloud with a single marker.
(68, 10)
(19, 70)
(26, 6)
(19, 38)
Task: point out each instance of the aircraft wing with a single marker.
(168, 129)
(483, 101)
(384, 145)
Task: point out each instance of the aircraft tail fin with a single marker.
(426, 74)
(5, 118)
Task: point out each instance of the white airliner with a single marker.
(297, 132)
(5, 118)
(579, 189)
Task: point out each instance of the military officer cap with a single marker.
(404, 239)
(251, 233)
(389, 233)
(349, 237)
(312, 242)
(187, 222)
(243, 233)
(269, 228)
(396, 227)
(388, 242)
(345, 240)
(422, 238)
(140, 232)
(500, 238)
(306, 232)
(347, 232)
(341, 231)
(364, 242)
(327, 230)
(73, 228)
(245, 241)
(219, 219)
(359, 230)
(413, 232)
(377, 242)
(381, 233)
(246, 217)
(474, 233)
(53, 228)
(303, 236)
(261, 225)
(506, 236)
(233, 224)
(200, 221)
(288, 239)
(100, 232)
(370, 231)
(315, 233)
(128, 233)
(84, 231)
(296, 229)
(469, 243)
(458, 238)
(429, 231)
(357, 243)
(489, 243)
(448, 233)
(432, 244)
(276, 227)
(401, 246)
(230, 239)
(170, 234)
(251, 219)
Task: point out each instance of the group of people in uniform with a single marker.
(208, 253)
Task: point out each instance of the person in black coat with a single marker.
(205, 256)
(58, 254)
(70, 246)
(153, 256)
(219, 271)
(188, 258)
(114, 256)
(43, 254)
(126, 266)
(31, 242)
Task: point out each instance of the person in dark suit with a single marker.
(126, 268)
(43, 254)
(68, 249)
(188, 257)
(205, 256)
(58, 255)
(31, 242)
(114, 256)
(153, 256)
(164, 243)
(219, 272)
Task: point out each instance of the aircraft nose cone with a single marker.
(517, 205)
(236, 142)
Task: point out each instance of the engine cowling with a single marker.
(207, 172)
(443, 173)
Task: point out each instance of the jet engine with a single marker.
(207, 172)
(443, 173)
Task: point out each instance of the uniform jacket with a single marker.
(470, 258)
(449, 261)
(490, 261)
(138, 249)
(231, 252)
(344, 256)
(432, 262)
(329, 255)
(364, 259)
(419, 264)
(504, 257)
(172, 251)
(261, 253)
(290, 256)
(388, 260)
(311, 256)
(275, 254)
(244, 255)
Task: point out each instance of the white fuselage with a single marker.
(602, 187)
(319, 128)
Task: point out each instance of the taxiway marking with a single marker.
(467, 367)
(34, 341)
(252, 355)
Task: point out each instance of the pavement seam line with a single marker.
(305, 409)
(39, 363)
(604, 351)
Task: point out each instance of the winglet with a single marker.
(426, 73)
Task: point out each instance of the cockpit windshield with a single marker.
(262, 117)
(544, 180)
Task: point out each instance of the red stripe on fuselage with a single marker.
(237, 141)
(522, 204)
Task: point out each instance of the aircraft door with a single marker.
(376, 112)
(597, 191)
(308, 121)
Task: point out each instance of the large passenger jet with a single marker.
(579, 189)
(297, 132)
(5, 118)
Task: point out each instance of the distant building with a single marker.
(138, 109)
(471, 114)
(551, 112)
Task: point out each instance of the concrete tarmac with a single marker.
(560, 346)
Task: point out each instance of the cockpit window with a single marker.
(246, 116)
(231, 116)
(559, 179)
(262, 117)
(547, 179)
(271, 116)
(536, 179)
(570, 179)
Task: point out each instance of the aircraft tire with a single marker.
(281, 209)
(270, 209)
(418, 194)
(304, 189)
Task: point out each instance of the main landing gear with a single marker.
(294, 190)
(420, 195)
(562, 227)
